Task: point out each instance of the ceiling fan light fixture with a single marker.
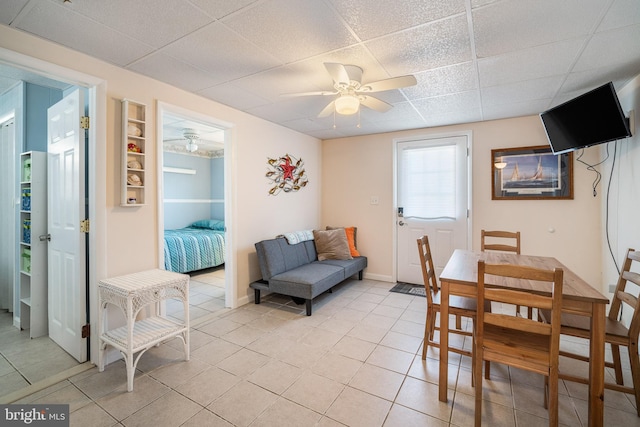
(347, 105)
(191, 147)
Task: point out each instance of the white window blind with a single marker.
(429, 182)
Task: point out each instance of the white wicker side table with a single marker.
(131, 293)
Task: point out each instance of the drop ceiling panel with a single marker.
(440, 81)
(529, 90)
(59, 24)
(621, 14)
(167, 69)
(10, 10)
(207, 49)
(540, 61)
(434, 45)
(292, 29)
(446, 104)
(234, 96)
(144, 20)
(220, 8)
(374, 18)
(511, 25)
(614, 48)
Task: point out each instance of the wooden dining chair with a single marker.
(514, 340)
(616, 333)
(503, 241)
(458, 306)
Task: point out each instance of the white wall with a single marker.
(132, 234)
(623, 203)
(359, 167)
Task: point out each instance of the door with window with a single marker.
(432, 177)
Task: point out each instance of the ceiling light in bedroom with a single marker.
(191, 136)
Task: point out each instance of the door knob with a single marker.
(401, 223)
(44, 237)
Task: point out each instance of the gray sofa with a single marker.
(294, 270)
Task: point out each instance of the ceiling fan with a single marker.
(352, 93)
(190, 136)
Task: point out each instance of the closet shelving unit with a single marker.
(33, 244)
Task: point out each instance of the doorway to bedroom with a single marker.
(193, 209)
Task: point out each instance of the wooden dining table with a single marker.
(460, 277)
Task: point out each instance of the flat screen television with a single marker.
(589, 119)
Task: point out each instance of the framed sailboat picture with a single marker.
(531, 173)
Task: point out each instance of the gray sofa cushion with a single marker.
(351, 266)
(276, 256)
(307, 281)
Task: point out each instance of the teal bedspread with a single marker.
(190, 249)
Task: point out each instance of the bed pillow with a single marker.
(352, 233)
(332, 244)
(213, 224)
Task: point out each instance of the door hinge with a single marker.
(84, 122)
(86, 330)
(84, 226)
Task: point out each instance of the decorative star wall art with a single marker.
(286, 174)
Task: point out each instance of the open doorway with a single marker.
(27, 360)
(193, 209)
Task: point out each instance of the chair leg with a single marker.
(530, 312)
(425, 343)
(635, 371)
(458, 322)
(553, 398)
(617, 365)
(477, 376)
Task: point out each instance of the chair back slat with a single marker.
(512, 243)
(520, 323)
(514, 297)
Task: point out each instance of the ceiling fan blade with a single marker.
(389, 84)
(375, 104)
(320, 92)
(327, 110)
(337, 72)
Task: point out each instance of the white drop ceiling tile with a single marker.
(303, 125)
(274, 83)
(540, 61)
(57, 23)
(615, 48)
(233, 96)
(479, 3)
(621, 14)
(529, 90)
(445, 104)
(512, 25)
(434, 45)
(146, 20)
(209, 47)
(517, 109)
(583, 81)
(292, 29)
(443, 80)
(220, 8)
(10, 9)
(469, 115)
(371, 19)
(170, 70)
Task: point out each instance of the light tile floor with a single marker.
(356, 362)
(25, 361)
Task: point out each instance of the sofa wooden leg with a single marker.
(360, 275)
(309, 307)
(256, 293)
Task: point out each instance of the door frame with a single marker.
(97, 172)
(230, 294)
(420, 137)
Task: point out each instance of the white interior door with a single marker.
(432, 180)
(7, 214)
(66, 208)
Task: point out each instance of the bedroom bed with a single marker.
(199, 246)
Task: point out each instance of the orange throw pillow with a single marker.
(351, 240)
